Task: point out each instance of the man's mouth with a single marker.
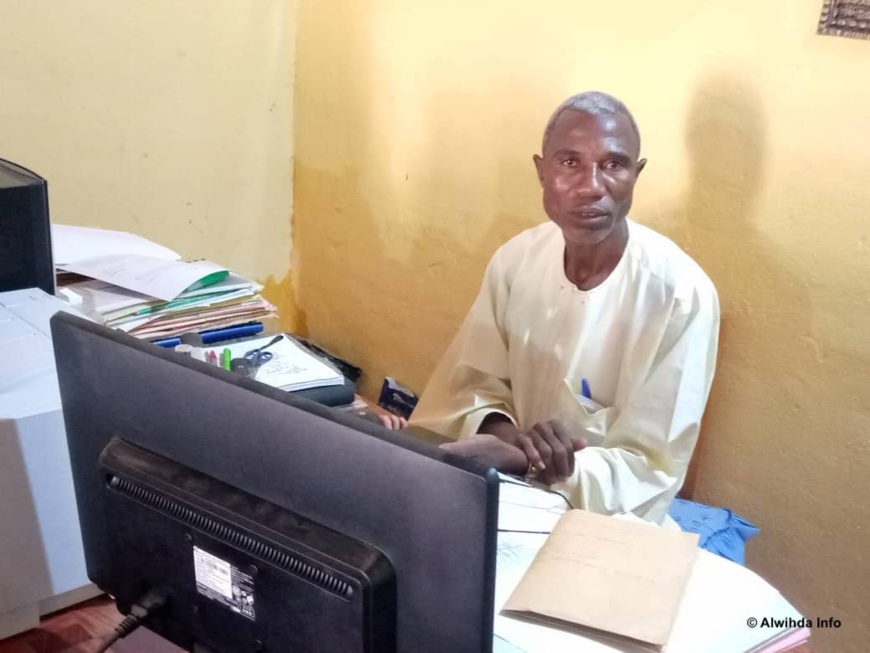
(591, 214)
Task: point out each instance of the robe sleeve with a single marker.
(643, 460)
(472, 380)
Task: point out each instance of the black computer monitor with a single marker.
(25, 230)
(268, 522)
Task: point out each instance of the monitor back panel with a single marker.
(434, 515)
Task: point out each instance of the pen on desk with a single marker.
(214, 335)
(226, 358)
(229, 333)
(167, 342)
(584, 389)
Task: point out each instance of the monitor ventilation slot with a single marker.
(233, 536)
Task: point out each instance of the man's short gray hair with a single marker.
(594, 103)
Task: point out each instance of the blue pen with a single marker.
(216, 335)
(229, 333)
(167, 342)
(584, 389)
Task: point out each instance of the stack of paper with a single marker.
(720, 601)
(233, 300)
(291, 367)
(142, 289)
(613, 577)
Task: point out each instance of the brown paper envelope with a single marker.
(612, 575)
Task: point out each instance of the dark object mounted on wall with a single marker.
(846, 18)
(25, 230)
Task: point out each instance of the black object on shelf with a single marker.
(351, 372)
(25, 231)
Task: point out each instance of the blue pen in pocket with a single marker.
(584, 389)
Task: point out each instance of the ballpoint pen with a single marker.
(584, 389)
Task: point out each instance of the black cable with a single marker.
(512, 480)
(150, 603)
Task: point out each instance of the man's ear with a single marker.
(641, 165)
(539, 167)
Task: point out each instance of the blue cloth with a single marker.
(722, 532)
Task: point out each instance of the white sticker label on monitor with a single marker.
(212, 573)
(218, 580)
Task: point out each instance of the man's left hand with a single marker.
(550, 449)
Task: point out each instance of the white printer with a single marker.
(42, 566)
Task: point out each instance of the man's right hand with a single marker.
(489, 450)
(548, 446)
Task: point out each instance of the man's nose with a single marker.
(590, 182)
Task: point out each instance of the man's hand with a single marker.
(393, 422)
(489, 450)
(548, 446)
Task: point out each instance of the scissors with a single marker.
(257, 357)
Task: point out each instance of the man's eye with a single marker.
(613, 165)
(570, 162)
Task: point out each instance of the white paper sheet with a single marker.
(70, 244)
(525, 508)
(720, 597)
(291, 368)
(27, 364)
(161, 278)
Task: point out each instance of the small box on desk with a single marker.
(397, 399)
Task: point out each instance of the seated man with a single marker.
(588, 355)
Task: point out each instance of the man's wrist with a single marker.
(500, 426)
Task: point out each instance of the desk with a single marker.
(712, 618)
(144, 641)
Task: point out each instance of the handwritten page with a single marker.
(161, 278)
(291, 368)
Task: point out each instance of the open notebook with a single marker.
(291, 368)
(719, 598)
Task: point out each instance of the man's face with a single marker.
(587, 171)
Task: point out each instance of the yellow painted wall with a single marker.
(170, 119)
(416, 123)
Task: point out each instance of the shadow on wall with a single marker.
(764, 307)
(781, 430)
(784, 438)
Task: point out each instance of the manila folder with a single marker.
(615, 576)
